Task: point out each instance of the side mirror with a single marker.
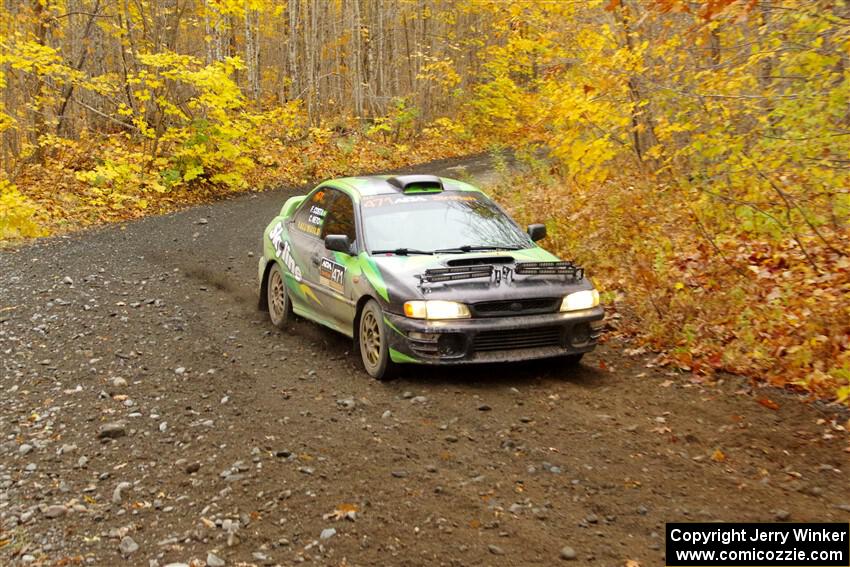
(338, 243)
(537, 231)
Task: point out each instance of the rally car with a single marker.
(424, 269)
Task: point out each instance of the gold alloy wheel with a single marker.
(370, 339)
(278, 301)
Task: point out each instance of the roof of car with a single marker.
(368, 185)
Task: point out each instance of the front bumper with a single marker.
(493, 339)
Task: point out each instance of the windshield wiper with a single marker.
(402, 251)
(468, 248)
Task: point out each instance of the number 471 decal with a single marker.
(332, 275)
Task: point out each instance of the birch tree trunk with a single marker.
(293, 9)
(356, 60)
(252, 51)
(215, 37)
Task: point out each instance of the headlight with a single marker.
(580, 300)
(436, 310)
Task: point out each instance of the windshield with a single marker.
(446, 221)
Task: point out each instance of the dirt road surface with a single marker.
(151, 415)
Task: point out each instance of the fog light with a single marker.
(451, 344)
(424, 337)
(580, 334)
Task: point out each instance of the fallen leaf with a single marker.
(768, 403)
(343, 511)
(718, 456)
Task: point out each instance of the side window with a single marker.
(313, 212)
(340, 219)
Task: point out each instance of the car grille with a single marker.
(518, 338)
(518, 307)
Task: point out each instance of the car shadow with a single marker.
(538, 372)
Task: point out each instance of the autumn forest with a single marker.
(694, 154)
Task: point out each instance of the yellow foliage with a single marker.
(750, 305)
(17, 214)
(441, 72)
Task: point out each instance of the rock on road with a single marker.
(151, 415)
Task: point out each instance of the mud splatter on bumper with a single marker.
(493, 339)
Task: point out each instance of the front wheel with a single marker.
(280, 306)
(374, 347)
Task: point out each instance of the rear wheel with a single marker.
(280, 306)
(374, 348)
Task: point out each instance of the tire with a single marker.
(372, 339)
(280, 306)
(572, 360)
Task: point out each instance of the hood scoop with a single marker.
(482, 260)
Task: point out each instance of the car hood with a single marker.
(399, 275)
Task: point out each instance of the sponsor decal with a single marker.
(283, 251)
(332, 275)
(276, 236)
(309, 228)
(387, 200)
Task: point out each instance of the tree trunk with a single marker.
(252, 52)
(643, 132)
(62, 126)
(38, 106)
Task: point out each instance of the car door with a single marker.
(335, 290)
(305, 233)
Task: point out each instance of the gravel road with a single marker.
(152, 416)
